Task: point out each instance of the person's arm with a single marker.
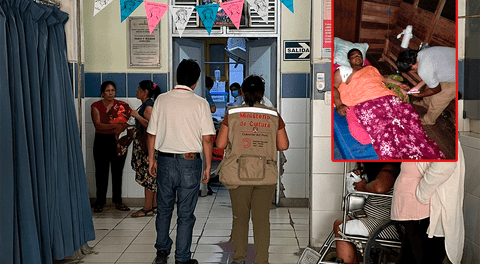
(147, 113)
(222, 137)
(434, 176)
(207, 151)
(340, 107)
(282, 140)
(428, 92)
(106, 128)
(382, 184)
(395, 82)
(152, 164)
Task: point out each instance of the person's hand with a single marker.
(206, 175)
(119, 128)
(152, 168)
(135, 114)
(361, 185)
(416, 95)
(404, 86)
(342, 110)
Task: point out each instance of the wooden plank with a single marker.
(386, 2)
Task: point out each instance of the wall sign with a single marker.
(296, 50)
(143, 47)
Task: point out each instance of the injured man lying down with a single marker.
(393, 126)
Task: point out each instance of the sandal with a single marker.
(142, 213)
(154, 209)
(122, 207)
(98, 209)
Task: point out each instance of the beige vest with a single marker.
(251, 153)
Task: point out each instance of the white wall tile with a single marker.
(294, 185)
(461, 38)
(471, 215)
(293, 110)
(321, 226)
(135, 190)
(297, 135)
(90, 162)
(321, 119)
(472, 167)
(471, 252)
(462, 124)
(308, 111)
(327, 192)
(322, 157)
(134, 102)
(295, 161)
(91, 184)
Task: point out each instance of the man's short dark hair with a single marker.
(188, 72)
(208, 82)
(353, 50)
(406, 59)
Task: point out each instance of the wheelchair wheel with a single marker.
(383, 246)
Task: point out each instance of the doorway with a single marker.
(228, 60)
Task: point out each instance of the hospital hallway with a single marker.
(123, 239)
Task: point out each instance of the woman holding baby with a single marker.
(109, 117)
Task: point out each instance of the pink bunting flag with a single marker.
(155, 12)
(233, 9)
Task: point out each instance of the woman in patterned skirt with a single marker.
(146, 92)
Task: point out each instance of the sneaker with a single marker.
(238, 262)
(190, 261)
(161, 258)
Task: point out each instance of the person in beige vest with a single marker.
(252, 134)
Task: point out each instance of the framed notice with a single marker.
(143, 47)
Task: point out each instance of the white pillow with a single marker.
(342, 47)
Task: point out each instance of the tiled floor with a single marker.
(123, 239)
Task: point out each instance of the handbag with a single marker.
(142, 138)
(124, 142)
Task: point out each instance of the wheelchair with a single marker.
(381, 247)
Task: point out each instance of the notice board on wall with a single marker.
(143, 47)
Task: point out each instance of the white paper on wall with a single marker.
(181, 15)
(99, 5)
(261, 7)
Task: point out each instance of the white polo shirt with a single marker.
(179, 120)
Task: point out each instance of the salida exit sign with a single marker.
(296, 50)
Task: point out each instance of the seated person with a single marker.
(237, 94)
(381, 177)
(208, 96)
(394, 126)
(237, 97)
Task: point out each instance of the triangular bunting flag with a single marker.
(233, 9)
(261, 7)
(207, 14)
(288, 4)
(99, 5)
(127, 7)
(154, 13)
(181, 15)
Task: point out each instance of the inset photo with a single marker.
(395, 85)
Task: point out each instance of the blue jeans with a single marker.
(177, 177)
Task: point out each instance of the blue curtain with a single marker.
(43, 192)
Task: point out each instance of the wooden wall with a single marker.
(377, 22)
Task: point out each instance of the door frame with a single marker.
(234, 34)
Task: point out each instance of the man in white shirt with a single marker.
(436, 66)
(180, 124)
